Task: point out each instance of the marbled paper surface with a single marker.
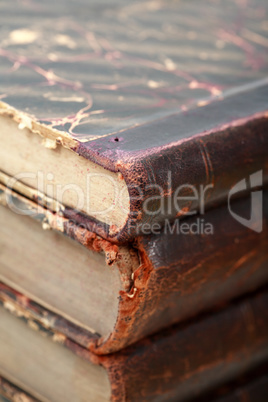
(93, 68)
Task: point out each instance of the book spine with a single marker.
(251, 390)
(175, 275)
(187, 361)
(191, 177)
(186, 162)
(183, 274)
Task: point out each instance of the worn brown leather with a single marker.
(207, 147)
(251, 387)
(183, 90)
(180, 275)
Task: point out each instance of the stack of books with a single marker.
(133, 201)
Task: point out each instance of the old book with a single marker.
(177, 364)
(116, 294)
(136, 113)
(252, 386)
(10, 392)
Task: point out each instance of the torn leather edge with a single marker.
(134, 267)
(132, 305)
(129, 261)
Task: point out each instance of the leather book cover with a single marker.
(162, 93)
(180, 363)
(251, 387)
(169, 277)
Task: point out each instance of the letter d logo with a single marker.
(255, 222)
